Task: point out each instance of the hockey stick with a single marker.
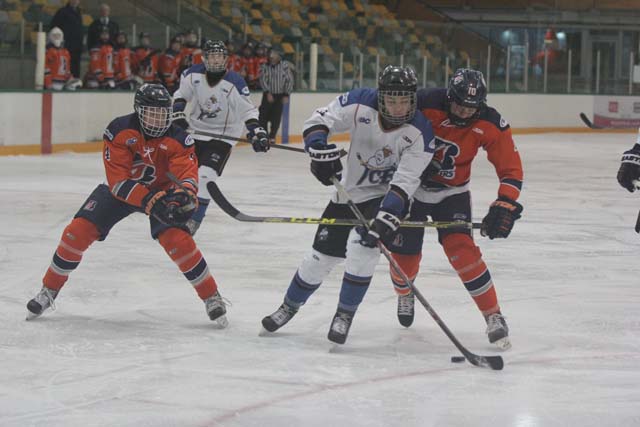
(233, 138)
(233, 212)
(588, 122)
(493, 362)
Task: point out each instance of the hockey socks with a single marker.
(76, 238)
(410, 265)
(466, 259)
(180, 246)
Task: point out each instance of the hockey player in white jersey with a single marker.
(220, 104)
(390, 147)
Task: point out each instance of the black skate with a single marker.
(340, 326)
(279, 318)
(41, 302)
(406, 310)
(216, 309)
(498, 331)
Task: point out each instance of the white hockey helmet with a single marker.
(56, 37)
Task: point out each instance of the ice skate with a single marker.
(406, 305)
(340, 326)
(216, 309)
(43, 300)
(498, 331)
(279, 318)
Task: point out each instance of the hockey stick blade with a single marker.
(588, 122)
(232, 211)
(493, 362)
(278, 146)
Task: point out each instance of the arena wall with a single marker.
(78, 119)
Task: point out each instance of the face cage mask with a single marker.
(56, 40)
(399, 95)
(459, 121)
(215, 68)
(155, 121)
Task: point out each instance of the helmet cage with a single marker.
(213, 62)
(399, 96)
(154, 120)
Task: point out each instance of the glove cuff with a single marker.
(328, 153)
(388, 219)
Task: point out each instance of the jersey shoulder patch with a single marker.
(492, 116)
(197, 69)
(238, 81)
(363, 96)
(182, 136)
(119, 124)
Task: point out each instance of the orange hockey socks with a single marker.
(410, 265)
(76, 238)
(466, 259)
(180, 246)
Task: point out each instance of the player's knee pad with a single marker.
(410, 265)
(316, 266)
(206, 175)
(178, 244)
(79, 235)
(361, 260)
(462, 252)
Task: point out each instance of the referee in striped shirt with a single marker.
(276, 80)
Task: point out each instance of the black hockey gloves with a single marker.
(629, 171)
(499, 221)
(383, 228)
(259, 140)
(325, 162)
(172, 207)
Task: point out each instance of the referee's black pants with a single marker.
(271, 112)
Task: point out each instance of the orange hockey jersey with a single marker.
(145, 64)
(101, 63)
(122, 64)
(456, 147)
(57, 66)
(135, 165)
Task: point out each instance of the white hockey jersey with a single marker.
(222, 109)
(377, 158)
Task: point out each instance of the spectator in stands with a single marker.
(246, 61)
(101, 72)
(555, 57)
(69, 19)
(122, 63)
(276, 80)
(234, 62)
(169, 64)
(145, 60)
(258, 58)
(190, 53)
(57, 74)
(104, 20)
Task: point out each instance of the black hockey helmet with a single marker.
(397, 88)
(467, 88)
(153, 103)
(213, 61)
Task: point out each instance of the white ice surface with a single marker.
(130, 343)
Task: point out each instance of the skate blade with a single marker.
(503, 343)
(31, 316)
(221, 322)
(264, 333)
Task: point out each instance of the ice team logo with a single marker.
(210, 109)
(380, 167)
(344, 99)
(188, 141)
(245, 91)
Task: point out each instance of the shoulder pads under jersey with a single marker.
(117, 125)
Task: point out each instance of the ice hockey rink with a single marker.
(130, 343)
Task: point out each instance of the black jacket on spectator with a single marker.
(93, 34)
(69, 20)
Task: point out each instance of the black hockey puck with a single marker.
(457, 359)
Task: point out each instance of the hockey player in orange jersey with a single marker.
(463, 124)
(57, 74)
(122, 63)
(140, 149)
(101, 71)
